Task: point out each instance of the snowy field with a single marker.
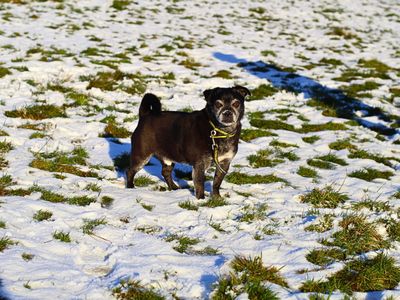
(313, 192)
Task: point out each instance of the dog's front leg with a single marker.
(199, 179)
(219, 176)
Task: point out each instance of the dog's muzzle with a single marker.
(227, 117)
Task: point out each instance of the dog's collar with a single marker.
(214, 135)
(224, 134)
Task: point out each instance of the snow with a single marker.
(92, 265)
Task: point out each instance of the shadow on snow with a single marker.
(346, 107)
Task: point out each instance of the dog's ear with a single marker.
(242, 90)
(208, 94)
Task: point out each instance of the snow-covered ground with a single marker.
(53, 44)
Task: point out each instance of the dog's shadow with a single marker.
(345, 106)
(119, 152)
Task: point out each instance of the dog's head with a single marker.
(226, 105)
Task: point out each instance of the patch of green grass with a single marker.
(184, 242)
(223, 74)
(5, 147)
(250, 134)
(58, 198)
(320, 164)
(323, 257)
(2, 224)
(373, 205)
(27, 256)
(357, 236)
(262, 91)
(322, 127)
(354, 90)
(363, 154)
(37, 112)
(276, 143)
(393, 229)
(63, 162)
(89, 225)
(288, 155)
(4, 71)
(341, 144)
(134, 290)
(333, 159)
(37, 135)
(3, 133)
(42, 215)
(262, 159)
(106, 201)
(324, 198)
(361, 275)
(327, 109)
(242, 178)
(142, 181)
(311, 139)
(189, 205)
(5, 243)
(249, 275)
(113, 130)
(214, 201)
(325, 223)
(307, 172)
(190, 63)
(62, 236)
(369, 174)
(271, 124)
(255, 213)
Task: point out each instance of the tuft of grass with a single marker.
(4, 71)
(311, 139)
(363, 154)
(5, 242)
(106, 201)
(249, 275)
(2, 224)
(242, 178)
(262, 91)
(89, 225)
(27, 256)
(256, 213)
(271, 124)
(369, 174)
(357, 236)
(251, 134)
(62, 236)
(361, 275)
(333, 159)
(120, 4)
(223, 74)
(276, 143)
(331, 126)
(342, 144)
(324, 257)
(262, 159)
(307, 172)
(58, 198)
(215, 201)
(134, 290)
(324, 224)
(42, 215)
(3, 133)
(373, 205)
(324, 198)
(37, 112)
(142, 181)
(184, 242)
(112, 130)
(189, 205)
(313, 162)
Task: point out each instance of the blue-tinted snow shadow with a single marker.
(345, 106)
(116, 149)
(208, 280)
(3, 294)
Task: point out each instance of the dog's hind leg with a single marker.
(167, 168)
(138, 160)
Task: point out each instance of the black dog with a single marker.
(197, 138)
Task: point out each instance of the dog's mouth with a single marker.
(227, 117)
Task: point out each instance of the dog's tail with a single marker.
(150, 105)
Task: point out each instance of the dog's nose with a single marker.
(227, 113)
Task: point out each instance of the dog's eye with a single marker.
(218, 104)
(236, 104)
